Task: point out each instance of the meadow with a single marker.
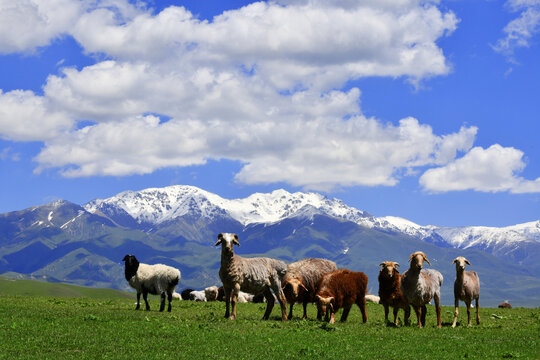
(92, 324)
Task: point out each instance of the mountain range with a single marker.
(178, 225)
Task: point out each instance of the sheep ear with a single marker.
(425, 258)
(467, 262)
(219, 239)
(235, 240)
(455, 260)
(125, 258)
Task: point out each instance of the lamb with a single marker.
(341, 288)
(253, 275)
(185, 294)
(211, 293)
(419, 286)
(390, 291)
(197, 295)
(154, 279)
(301, 280)
(466, 288)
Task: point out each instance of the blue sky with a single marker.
(427, 110)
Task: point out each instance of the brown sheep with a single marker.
(341, 289)
(300, 281)
(390, 292)
(419, 286)
(466, 289)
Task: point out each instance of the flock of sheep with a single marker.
(312, 280)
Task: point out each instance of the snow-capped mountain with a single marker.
(155, 206)
(158, 205)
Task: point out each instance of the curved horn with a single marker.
(382, 264)
(410, 257)
(396, 264)
(425, 258)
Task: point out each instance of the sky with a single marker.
(426, 110)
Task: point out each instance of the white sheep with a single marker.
(211, 293)
(197, 295)
(254, 275)
(419, 286)
(154, 279)
(466, 288)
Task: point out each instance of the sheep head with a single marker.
(417, 260)
(460, 262)
(292, 288)
(388, 268)
(227, 241)
(131, 266)
(325, 303)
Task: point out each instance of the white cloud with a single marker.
(520, 31)
(27, 117)
(493, 169)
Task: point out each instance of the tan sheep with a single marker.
(466, 289)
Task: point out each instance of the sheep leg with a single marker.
(319, 314)
(332, 316)
(468, 303)
(362, 305)
(145, 297)
(418, 311)
(396, 309)
(304, 317)
(407, 315)
(438, 307)
(227, 294)
(424, 313)
(269, 303)
(283, 304)
(162, 305)
(234, 300)
(169, 298)
(385, 313)
(456, 312)
(290, 310)
(138, 301)
(477, 312)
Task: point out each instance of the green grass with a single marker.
(45, 327)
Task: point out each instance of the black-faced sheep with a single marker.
(341, 289)
(253, 275)
(147, 279)
(390, 291)
(466, 289)
(185, 294)
(419, 286)
(300, 281)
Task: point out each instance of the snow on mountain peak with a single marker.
(156, 205)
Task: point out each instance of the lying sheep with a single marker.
(373, 298)
(211, 293)
(341, 289)
(197, 295)
(390, 291)
(419, 286)
(301, 280)
(185, 294)
(466, 288)
(253, 275)
(154, 279)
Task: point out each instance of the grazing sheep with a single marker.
(466, 288)
(211, 293)
(341, 289)
(301, 280)
(197, 295)
(390, 291)
(185, 294)
(154, 279)
(419, 286)
(253, 275)
(176, 296)
(505, 305)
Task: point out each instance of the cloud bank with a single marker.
(264, 85)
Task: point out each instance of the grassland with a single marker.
(101, 326)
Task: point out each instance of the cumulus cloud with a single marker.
(27, 117)
(262, 85)
(493, 169)
(520, 31)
